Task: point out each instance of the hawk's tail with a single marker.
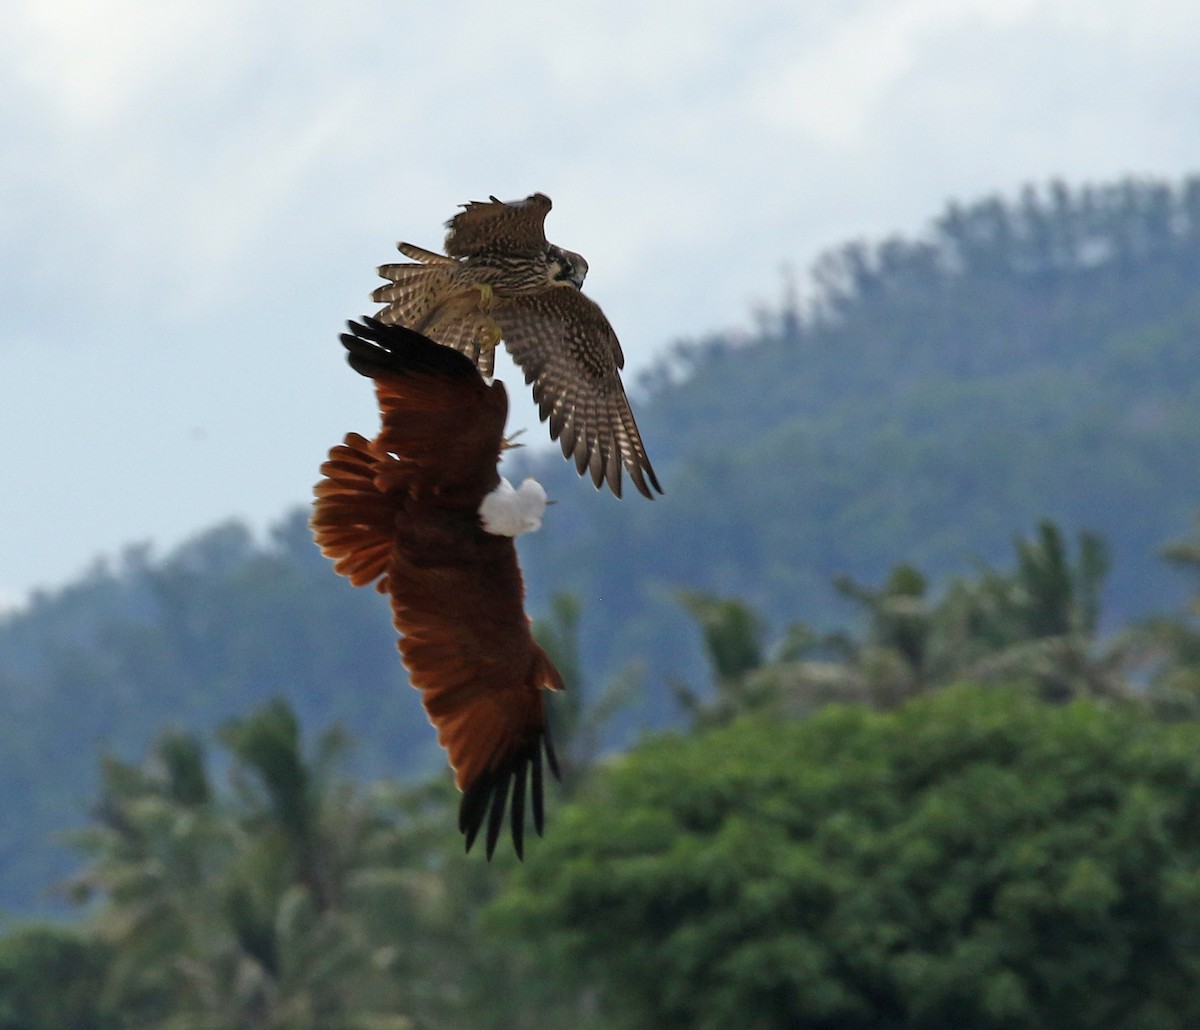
(424, 298)
(426, 257)
(414, 293)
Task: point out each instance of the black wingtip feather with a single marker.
(486, 799)
(374, 347)
(551, 757)
(496, 814)
(518, 810)
(539, 811)
(472, 808)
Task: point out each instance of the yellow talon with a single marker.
(486, 296)
(489, 334)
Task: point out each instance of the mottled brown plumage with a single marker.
(402, 510)
(500, 278)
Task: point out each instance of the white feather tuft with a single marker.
(509, 511)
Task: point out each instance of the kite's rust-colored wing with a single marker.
(402, 509)
(512, 226)
(569, 352)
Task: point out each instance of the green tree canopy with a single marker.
(52, 978)
(976, 858)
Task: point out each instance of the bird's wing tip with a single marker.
(487, 799)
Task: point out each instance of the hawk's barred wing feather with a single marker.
(553, 336)
(498, 225)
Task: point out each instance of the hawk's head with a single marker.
(565, 266)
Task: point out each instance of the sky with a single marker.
(194, 196)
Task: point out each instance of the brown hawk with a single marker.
(422, 511)
(501, 279)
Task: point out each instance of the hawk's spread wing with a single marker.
(403, 509)
(496, 225)
(570, 354)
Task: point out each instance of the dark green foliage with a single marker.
(1052, 598)
(898, 614)
(296, 901)
(976, 859)
(733, 635)
(52, 979)
(979, 860)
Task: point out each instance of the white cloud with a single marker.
(833, 90)
(93, 63)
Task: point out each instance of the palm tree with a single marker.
(801, 670)
(1168, 646)
(156, 841)
(733, 643)
(267, 910)
(1039, 622)
(895, 660)
(577, 720)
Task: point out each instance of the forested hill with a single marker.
(1026, 358)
